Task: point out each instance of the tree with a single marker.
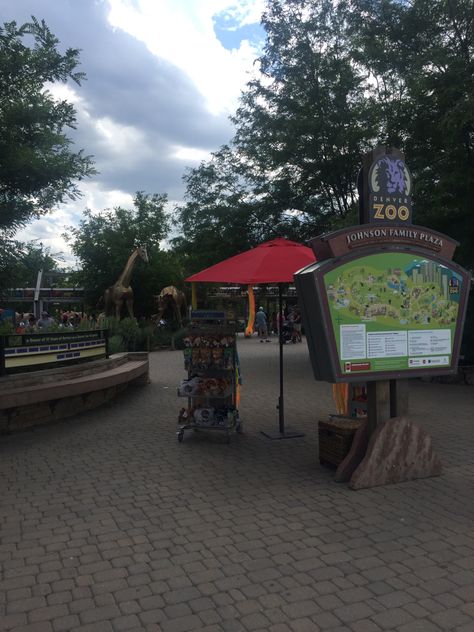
(227, 211)
(300, 129)
(38, 169)
(337, 78)
(103, 243)
(307, 118)
(420, 56)
(21, 262)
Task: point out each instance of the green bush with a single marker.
(162, 337)
(179, 337)
(116, 345)
(129, 331)
(6, 327)
(130, 335)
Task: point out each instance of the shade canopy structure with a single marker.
(274, 261)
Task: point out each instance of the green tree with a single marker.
(227, 210)
(337, 78)
(300, 129)
(38, 168)
(21, 262)
(306, 119)
(421, 54)
(103, 243)
(219, 216)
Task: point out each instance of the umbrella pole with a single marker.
(281, 404)
(281, 409)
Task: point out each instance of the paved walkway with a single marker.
(107, 523)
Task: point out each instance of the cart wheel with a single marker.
(238, 428)
(180, 436)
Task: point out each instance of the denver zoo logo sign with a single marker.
(390, 186)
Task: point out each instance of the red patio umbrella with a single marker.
(274, 261)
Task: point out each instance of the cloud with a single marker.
(160, 86)
(182, 32)
(242, 13)
(51, 228)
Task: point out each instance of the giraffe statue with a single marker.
(121, 292)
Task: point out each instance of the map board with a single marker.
(383, 313)
(393, 311)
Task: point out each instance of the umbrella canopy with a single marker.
(274, 261)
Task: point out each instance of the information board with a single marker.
(18, 351)
(393, 311)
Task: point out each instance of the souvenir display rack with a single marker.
(210, 359)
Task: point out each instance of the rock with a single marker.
(398, 451)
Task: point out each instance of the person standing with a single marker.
(262, 327)
(46, 321)
(280, 318)
(296, 334)
(65, 322)
(273, 323)
(32, 324)
(20, 324)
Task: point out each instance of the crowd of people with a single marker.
(28, 323)
(287, 322)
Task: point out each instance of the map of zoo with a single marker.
(393, 310)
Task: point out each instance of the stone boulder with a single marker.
(398, 451)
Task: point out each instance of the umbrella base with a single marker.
(287, 434)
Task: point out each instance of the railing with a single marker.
(32, 351)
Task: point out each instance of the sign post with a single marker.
(385, 187)
(384, 302)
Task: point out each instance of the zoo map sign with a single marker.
(393, 311)
(384, 299)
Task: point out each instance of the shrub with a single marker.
(6, 327)
(179, 338)
(116, 345)
(129, 331)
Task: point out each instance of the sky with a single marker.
(163, 77)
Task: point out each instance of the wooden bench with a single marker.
(40, 396)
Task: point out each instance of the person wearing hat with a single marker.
(261, 323)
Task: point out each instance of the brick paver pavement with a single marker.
(108, 524)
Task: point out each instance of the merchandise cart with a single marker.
(211, 362)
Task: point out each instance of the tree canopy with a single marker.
(21, 262)
(337, 78)
(103, 242)
(38, 168)
(420, 53)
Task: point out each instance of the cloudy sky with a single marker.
(163, 76)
